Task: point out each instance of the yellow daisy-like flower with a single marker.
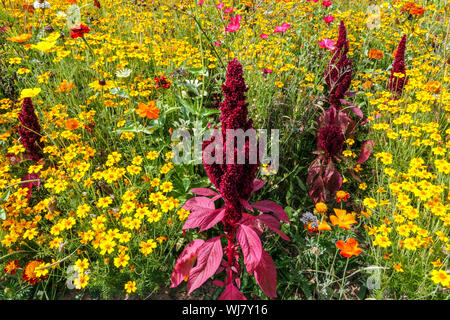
(130, 286)
(29, 93)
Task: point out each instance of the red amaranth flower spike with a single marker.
(235, 184)
(396, 84)
(338, 74)
(30, 130)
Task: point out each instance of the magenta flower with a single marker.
(234, 24)
(327, 44)
(284, 26)
(327, 3)
(228, 10)
(220, 6)
(263, 36)
(200, 2)
(328, 19)
(218, 43)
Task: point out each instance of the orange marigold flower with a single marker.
(348, 248)
(342, 195)
(29, 273)
(12, 266)
(149, 110)
(321, 207)
(375, 54)
(433, 87)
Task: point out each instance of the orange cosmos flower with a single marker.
(315, 227)
(348, 248)
(342, 219)
(72, 124)
(20, 38)
(65, 86)
(149, 110)
(417, 11)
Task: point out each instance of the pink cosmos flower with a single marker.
(234, 24)
(327, 44)
(284, 26)
(218, 43)
(228, 10)
(266, 70)
(220, 5)
(328, 19)
(327, 3)
(263, 36)
(200, 2)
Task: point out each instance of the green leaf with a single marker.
(136, 128)
(5, 195)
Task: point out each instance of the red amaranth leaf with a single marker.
(246, 205)
(200, 207)
(366, 150)
(357, 111)
(209, 257)
(219, 283)
(185, 262)
(211, 219)
(333, 179)
(250, 245)
(251, 222)
(273, 224)
(204, 192)
(198, 203)
(266, 275)
(258, 184)
(203, 218)
(316, 192)
(231, 293)
(270, 206)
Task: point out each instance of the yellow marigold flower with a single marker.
(41, 270)
(166, 186)
(121, 260)
(104, 202)
(130, 286)
(152, 155)
(370, 203)
(147, 247)
(81, 265)
(440, 277)
(81, 282)
(382, 241)
(398, 267)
